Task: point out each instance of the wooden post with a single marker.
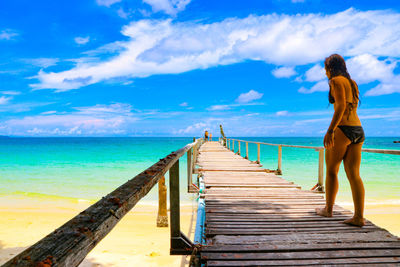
(239, 148)
(258, 153)
(189, 170)
(162, 217)
(247, 150)
(180, 244)
(174, 200)
(279, 170)
(228, 142)
(194, 155)
(233, 145)
(321, 170)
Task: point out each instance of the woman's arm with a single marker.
(339, 94)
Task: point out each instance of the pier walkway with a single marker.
(256, 218)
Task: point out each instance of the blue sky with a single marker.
(178, 67)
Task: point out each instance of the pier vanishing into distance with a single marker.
(247, 216)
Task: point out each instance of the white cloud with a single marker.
(122, 13)
(49, 112)
(170, 7)
(367, 68)
(249, 96)
(10, 92)
(387, 87)
(219, 107)
(321, 86)
(196, 128)
(98, 119)
(4, 100)
(107, 3)
(8, 34)
(315, 74)
(184, 104)
(282, 113)
(166, 47)
(42, 62)
(82, 40)
(284, 72)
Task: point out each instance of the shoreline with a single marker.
(135, 239)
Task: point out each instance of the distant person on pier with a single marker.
(343, 140)
(206, 135)
(210, 136)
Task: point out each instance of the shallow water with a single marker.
(89, 168)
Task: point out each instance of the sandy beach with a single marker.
(136, 239)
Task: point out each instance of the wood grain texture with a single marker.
(256, 218)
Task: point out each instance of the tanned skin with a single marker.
(339, 148)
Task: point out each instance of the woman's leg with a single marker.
(333, 158)
(351, 163)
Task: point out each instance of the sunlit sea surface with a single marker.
(88, 168)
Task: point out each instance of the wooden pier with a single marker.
(256, 218)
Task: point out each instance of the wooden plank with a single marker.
(314, 238)
(330, 230)
(300, 246)
(383, 261)
(328, 254)
(280, 219)
(262, 225)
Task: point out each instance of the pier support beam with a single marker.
(279, 170)
(320, 186)
(180, 244)
(258, 153)
(162, 217)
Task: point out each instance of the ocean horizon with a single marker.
(87, 168)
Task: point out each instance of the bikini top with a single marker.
(350, 105)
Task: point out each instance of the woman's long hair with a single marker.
(337, 66)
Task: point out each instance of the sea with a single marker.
(86, 169)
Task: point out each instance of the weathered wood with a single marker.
(69, 244)
(383, 261)
(189, 169)
(306, 238)
(162, 217)
(327, 254)
(279, 170)
(301, 246)
(174, 200)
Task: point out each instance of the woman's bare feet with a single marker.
(323, 212)
(355, 221)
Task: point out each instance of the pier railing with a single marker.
(319, 187)
(69, 244)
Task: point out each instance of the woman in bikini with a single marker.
(343, 140)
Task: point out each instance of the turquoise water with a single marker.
(380, 172)
(89, 168)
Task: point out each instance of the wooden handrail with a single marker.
(317, 148)
(69, 244)
(319, 186)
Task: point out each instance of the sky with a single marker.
(179, 67)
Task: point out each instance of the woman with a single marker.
(343, 140)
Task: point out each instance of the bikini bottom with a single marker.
(354, 133)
